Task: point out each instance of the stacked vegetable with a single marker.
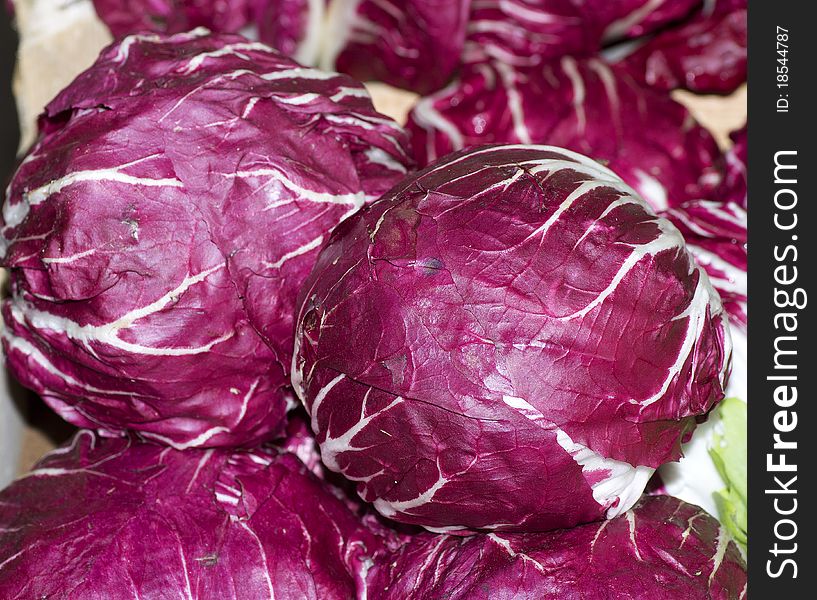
(509, 340)
(220, 153)
(497, 350)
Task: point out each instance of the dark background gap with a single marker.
(9, 130)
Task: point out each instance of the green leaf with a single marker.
(728, 452)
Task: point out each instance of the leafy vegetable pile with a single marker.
(420, 45)
(305, 370)
(118, 517)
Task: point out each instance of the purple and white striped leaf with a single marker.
(509, 340)
(716, 235)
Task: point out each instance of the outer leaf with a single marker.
(662, 548)
(120, 518)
